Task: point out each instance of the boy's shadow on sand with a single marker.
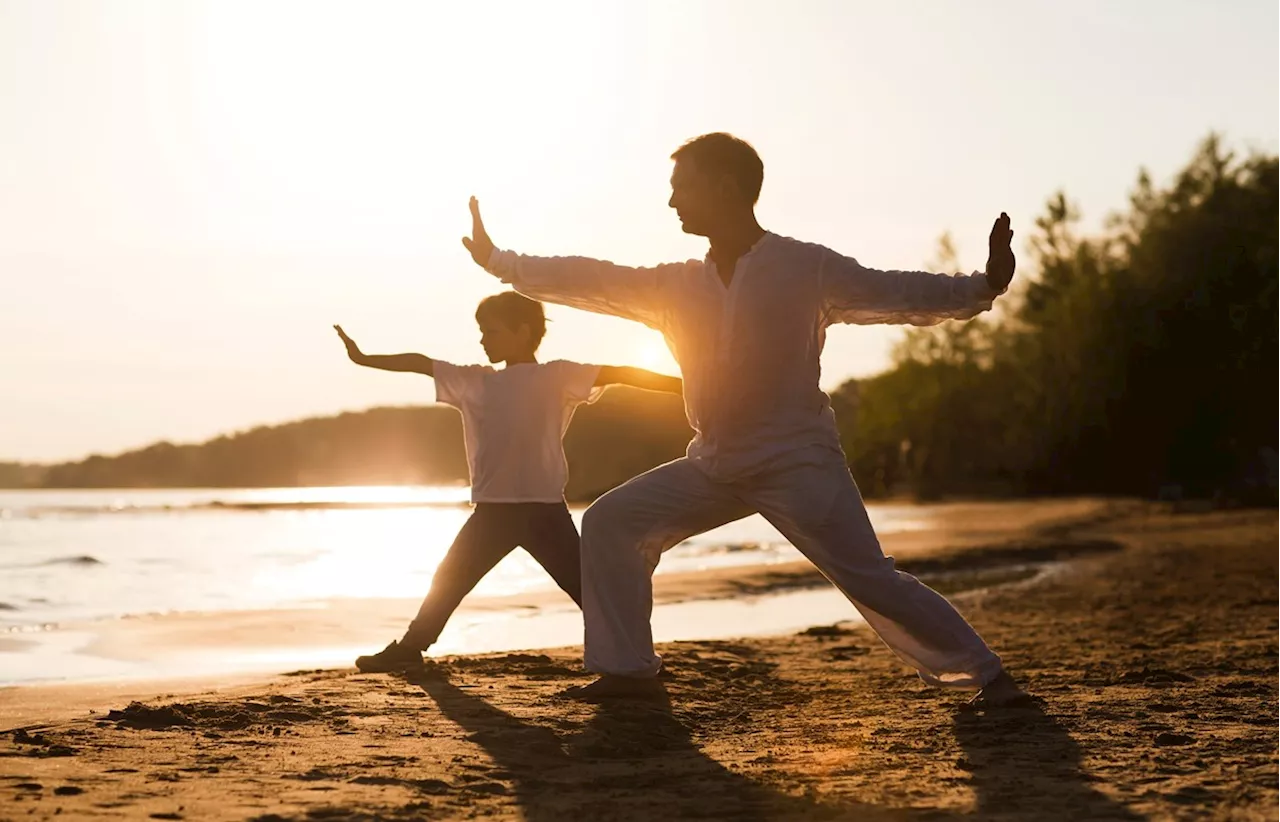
(636, 760)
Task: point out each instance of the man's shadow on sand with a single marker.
(632, 760)
(636, 760)
(1025, 765)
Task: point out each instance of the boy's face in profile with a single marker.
(501, 342)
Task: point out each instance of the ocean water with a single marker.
(81, 567)
(78, 556)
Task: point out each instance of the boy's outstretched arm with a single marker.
(638, 378)
(415, 363)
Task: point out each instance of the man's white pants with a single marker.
(813, 501)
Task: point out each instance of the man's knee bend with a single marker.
(607, 517)
(609, 526)
(594, 520)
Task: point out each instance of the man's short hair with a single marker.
(720, 154)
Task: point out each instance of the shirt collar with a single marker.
(767, 237)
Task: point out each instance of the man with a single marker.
(747, 325)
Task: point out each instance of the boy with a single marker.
(513, 422)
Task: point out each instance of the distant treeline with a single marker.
(625, 433)
(1139, 361)
(20, 475)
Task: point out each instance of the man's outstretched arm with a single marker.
(855, 294)
(579, 282)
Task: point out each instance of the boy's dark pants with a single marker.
(494, 530)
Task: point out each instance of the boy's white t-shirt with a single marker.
(513, 423)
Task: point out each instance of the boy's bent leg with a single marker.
(623, 536)
(486, 537)
(552, 540)
(817, 506)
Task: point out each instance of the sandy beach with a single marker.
(1147, 637)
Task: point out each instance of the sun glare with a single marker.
(654, 355)
(403, 122)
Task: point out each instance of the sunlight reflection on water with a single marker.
(74, 555)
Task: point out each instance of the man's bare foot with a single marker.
(612, 686)
(1000, 692)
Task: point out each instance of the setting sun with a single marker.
(654, 355)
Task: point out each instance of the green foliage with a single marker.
(1137, 360)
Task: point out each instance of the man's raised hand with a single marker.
(478, 243)
(1000, 260)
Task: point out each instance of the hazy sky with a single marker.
(192, 193)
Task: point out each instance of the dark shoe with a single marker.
(394, 658)
(1001, 692)
(612, 686)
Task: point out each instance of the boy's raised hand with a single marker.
(353, 350)
(478, 243)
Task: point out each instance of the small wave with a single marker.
(59, 511)
(40, 627)
(705, 549)
(82, 559)
(4, 606)
(230, 505)
(324, 505)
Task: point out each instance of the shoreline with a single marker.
(968, 550)
(807, 605)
